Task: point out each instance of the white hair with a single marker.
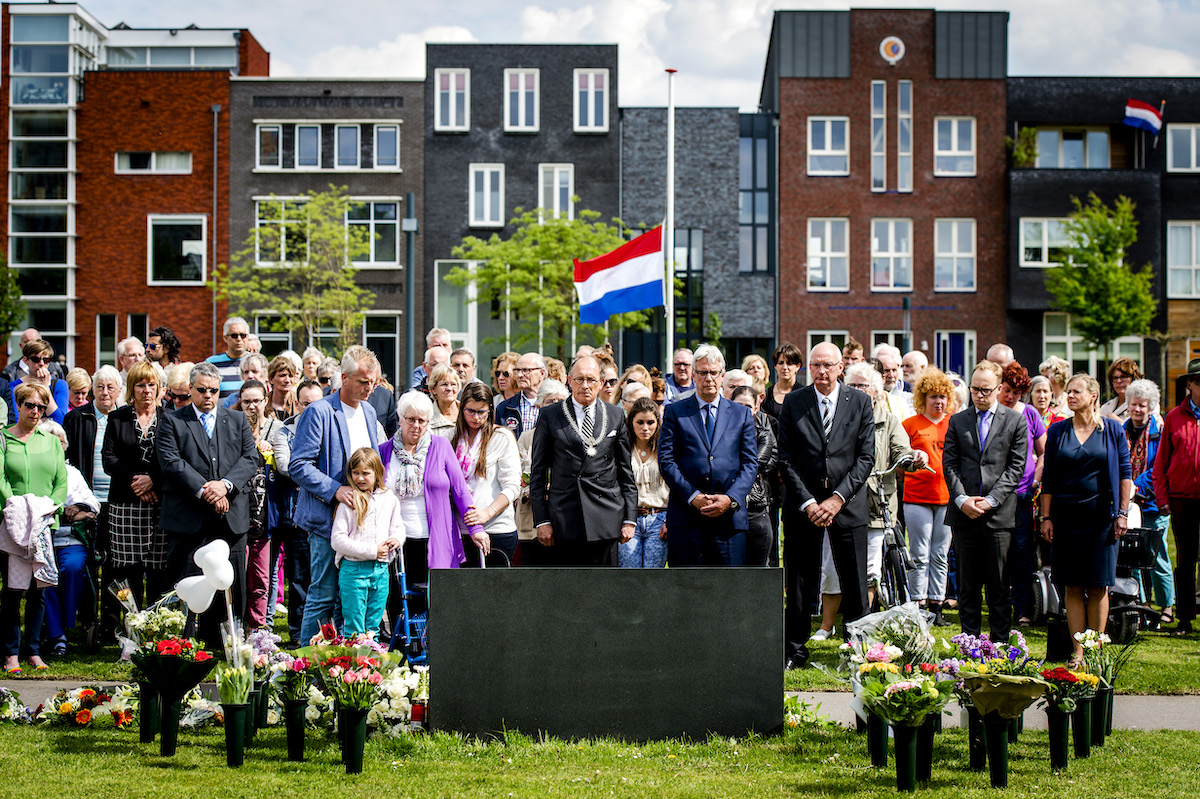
(355, 357)
(234, 320)
(253, 360)
(551, 390)
(313, 352)
(294, 359)
(1144, 389)
(108, 374)
(429, 353)
(125, 342)
(417, 401)
(737, 377)
(634, 390)
(435, 332)
(886, 349)
(708, 352)
(867, 372)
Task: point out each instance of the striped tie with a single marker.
(827, 415)
(585, 429)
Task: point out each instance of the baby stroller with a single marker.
(1137, 552)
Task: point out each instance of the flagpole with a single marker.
(1162, 109)
(669, 225)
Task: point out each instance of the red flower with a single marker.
(908, 668)
(203, 656)
(83, 716)
(328, 631)
(928, 668)
(185, 643)
(169, 648)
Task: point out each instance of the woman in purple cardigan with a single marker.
(427, 479)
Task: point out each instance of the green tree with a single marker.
(12, 308)
(532, 273)
(295, 268)
(1106, 297)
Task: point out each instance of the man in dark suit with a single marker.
(983, 461)
(207, 455)
(826, 453)
(708, 454)
(581, 450)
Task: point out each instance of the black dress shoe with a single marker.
(1182, 628)
(939, 620)
(799, 660)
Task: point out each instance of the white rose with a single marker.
(311, 713)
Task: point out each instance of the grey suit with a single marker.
(992, 471)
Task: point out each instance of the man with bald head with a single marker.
(826, 452)
(1001, 355)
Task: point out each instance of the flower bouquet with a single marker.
(1106, 660)
(198, 711)
(292, 676)
(12, 709)
(1065, 691)
(172, 667)
(161, 620)
(89, 706)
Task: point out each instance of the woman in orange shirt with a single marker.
(926, 495)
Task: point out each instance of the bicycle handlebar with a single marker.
(905, 461)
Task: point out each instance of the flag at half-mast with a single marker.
(1143, 115)
(630, 278)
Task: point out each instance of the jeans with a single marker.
(73, 589)
(1162, 581)
(274, 593)
(10, 620)
(321, 604)
(760, 538)
(928, 543)
(363, 588)
(296, 557)
(645, 550)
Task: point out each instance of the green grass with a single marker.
(809, 762)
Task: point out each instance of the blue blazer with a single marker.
(319, 454)
(689, 463)
(1115, 444)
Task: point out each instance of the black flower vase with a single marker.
(264, 704)
(251, 715)
(1081, 728)
(976, 740)
(235, 733)
(906, 757)
(925, 735)
(1100, 715)
(1014, 730)
(168, 729)
(1059, 725)
(148, 712)
(877, 740)
(353, 722)
(293, 719)
(996, 727)
(1108, 716)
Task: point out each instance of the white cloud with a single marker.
(401, 57)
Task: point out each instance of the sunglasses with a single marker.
(207, 390)
(33, 406)
(178, 397)
(151, 345)
(238, 335)
(612, 381)
(324, 380)
(38, 359)
(503, 374)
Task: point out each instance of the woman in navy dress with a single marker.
(1086, 487)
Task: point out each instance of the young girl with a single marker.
(648, 547)
(364, 539)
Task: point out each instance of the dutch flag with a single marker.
(1143, 115)
(630, 278)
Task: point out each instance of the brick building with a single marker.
(891, 178)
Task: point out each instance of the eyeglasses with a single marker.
(447, 384)
(206, 390)
(702, 373)
(522, 370)
(238, 335)
(823, 367)
(152, 345)
(415, 421)
(475, 412)
(1121, 376)
(980, 391)
(38, 359)
(859, 386)
(324, 380)
(33, 406)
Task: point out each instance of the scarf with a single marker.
(410, 477)
(468, 455)
(1137, 447)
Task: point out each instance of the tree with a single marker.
(295, 268)
(532, 273)
(1106, 298)
(12, 308)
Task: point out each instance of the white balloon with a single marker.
(213, 561)
(221, 577)
(196, 591)
(202, 554)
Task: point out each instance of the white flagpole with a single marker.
(668, 237)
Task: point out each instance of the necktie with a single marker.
(985, 424)
(710, 422)
(585, 429)
(206, 419)
(827, 415)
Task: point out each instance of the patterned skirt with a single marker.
(135, 538)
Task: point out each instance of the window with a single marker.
(38, 28)
(1181, 148)
(688, 261)
(893, 338)
(755, 253)
(453, 112)
(269, 152)
(904, 142)
(139, 326)
(106, 339)
(1059, 339)
(176, 250)
(39, 185)
(1183, 268)
(521, 100)
(387, 146)
(954, 255)
(1072, 149)
(891, 255)
(487, 195)
(160, 163)
(828, 259)
(346, 144)
(954, 351)
(379, 223)
(591, 100)
(40, 58)
(954, 146)
(381, 335)
(281, 231)
(878, 135)
(40, 90)
(39, 123)
(308, 146)
(1042, 242)
(40, 154)
(828, 145)
(273, 334)
(837, 338)
(454, 307)
(556, 188)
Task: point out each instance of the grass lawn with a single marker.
(811, 761)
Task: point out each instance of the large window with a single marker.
(1183, 267)
(591, 100)
(878, 135)
(176, 250)
(689, 271)
(106, 339)
(308, 146)
(1181, 148)
(838, 338)
(387, 146)
(453, 111)
(754, 194)
(381, 335)
(380, 223)
(1072, 149)
(891, 255)
(829, 145)
(954, 146)
(555, 190)
(486, 195)
(904, 139)
(281, 231)
(346, 140)
(954, 256)
(828, 255)
(1058, 338)
(521, 100)
(1042, 242)
(269, 150)
(160, 163)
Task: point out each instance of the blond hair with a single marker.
(369, 458)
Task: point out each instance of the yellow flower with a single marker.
(65, 708)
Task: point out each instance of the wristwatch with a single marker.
(733, 504)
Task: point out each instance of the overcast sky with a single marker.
(718, 46)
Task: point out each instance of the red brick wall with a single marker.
(146, 111)
(253, 60)
(981, 197)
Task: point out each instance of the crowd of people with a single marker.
(324, 478)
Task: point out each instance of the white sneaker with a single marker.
(280, 610)
(822, 634)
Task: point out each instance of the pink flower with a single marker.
(375, 678)
(876, 654)
(300, 664)
(351, 677)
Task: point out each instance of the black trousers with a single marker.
(580, 552)
(802, 574)
(760, 538)
(983, 565)
(180, 548)
(1185, 522)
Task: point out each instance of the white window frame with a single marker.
(904, 129)
(283, 201)
(1044, 245)
(371, 225)
(955, 253)
(894, 338)
(1061, 138)
(522, 125)
(107, 357)
(151, 219)
(954, 152)
(589, 92)
(1075, 348)
(827, 151)
(473, 220)
(892, 255)
(396, 368)
(469, 336)
(154, 168)
(879, 136)
(258, 132)
(452, 123)
(1193, 135)
(296, 147)
(553, 207)
(338, 130)
(815, 337)
(1193, 265)
(395, 128)
(822, 257)
(260, 329)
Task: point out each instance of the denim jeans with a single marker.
(64, 601)
(363, 588)
(321, 604)
(928, 543)
(645, 550)
(1162, 580)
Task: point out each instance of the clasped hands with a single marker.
(974, 507)
(215, 493)
(711, 505)
(821, 513)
